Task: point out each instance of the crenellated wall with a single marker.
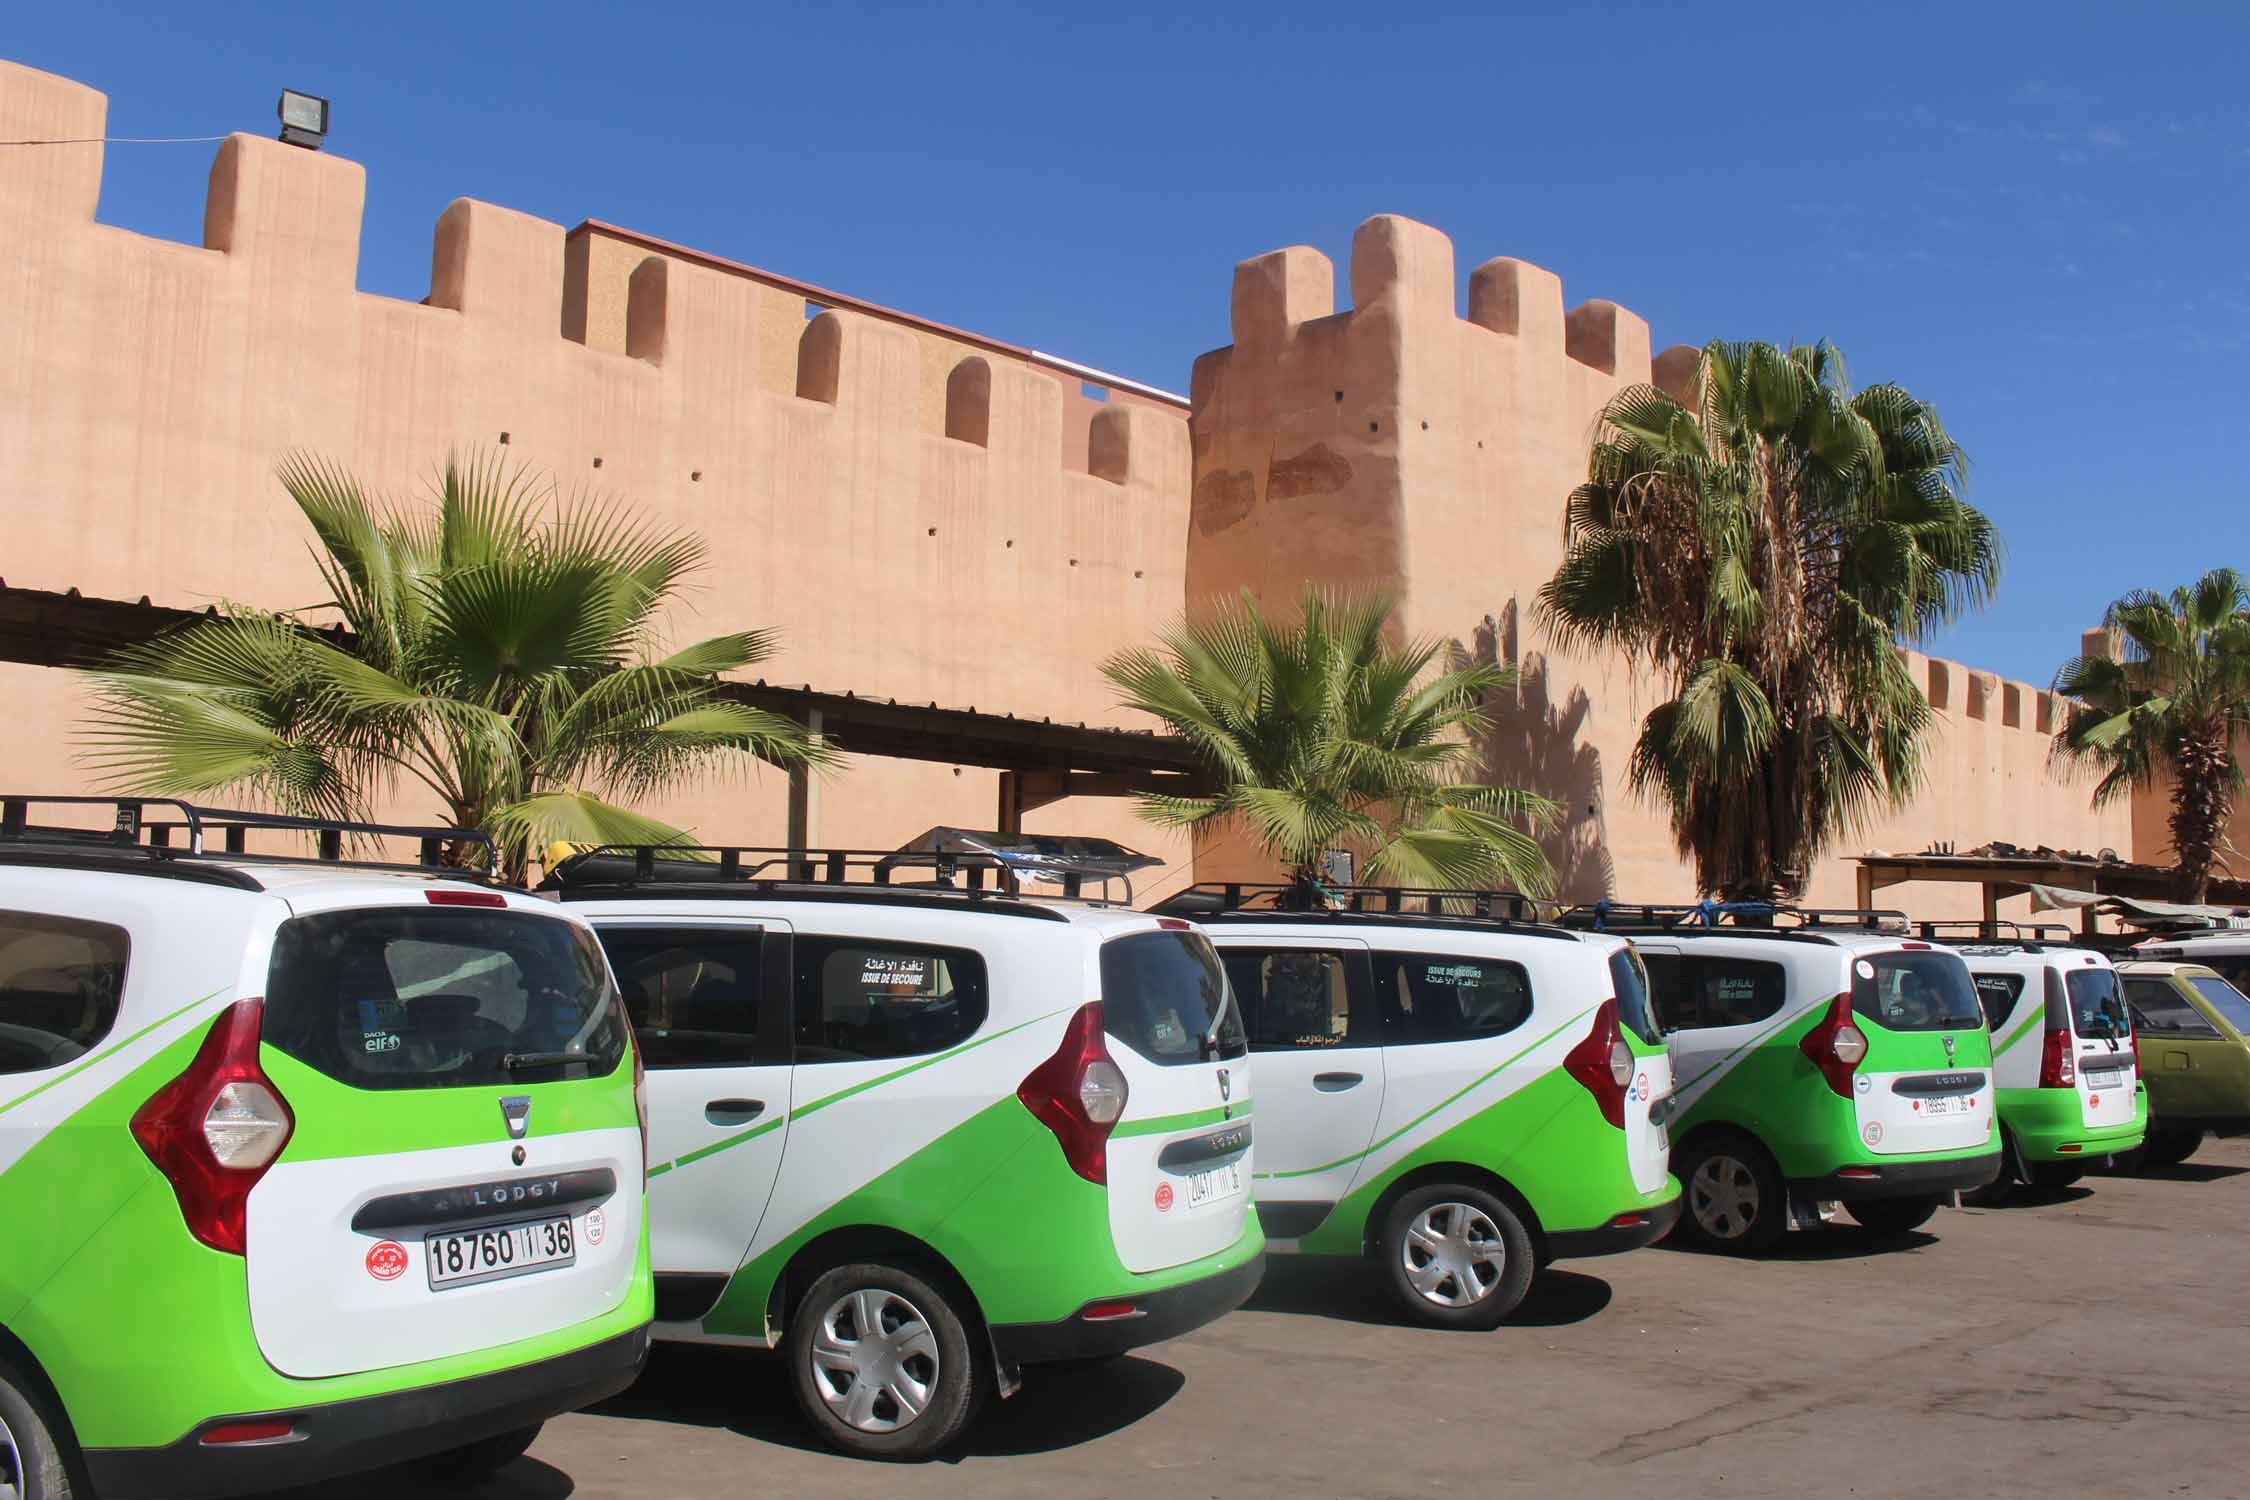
(1404, 446)
(925, 514)
(147, 388)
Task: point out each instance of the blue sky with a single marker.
(2034, 216)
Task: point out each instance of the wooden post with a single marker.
(804, 796)
(1991, 906)
(1866, 887)
(1010, 820)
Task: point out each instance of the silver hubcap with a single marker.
(1723, 1195)
(875, 1360)
(1453, 1255)
(11, 1465)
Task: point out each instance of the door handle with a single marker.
(728, 1112)
(1336, 1083)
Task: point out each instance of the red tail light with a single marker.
(1603, 1063)
(214, 1130)
(1836, 1046)
(2058, 1063)
(1079, 1094)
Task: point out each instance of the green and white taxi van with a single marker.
(1817, 1058)
(2070, 1095)
(1460, 1093)
(921, 1132)
(333, 1166)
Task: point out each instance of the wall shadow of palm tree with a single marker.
(1535, 743)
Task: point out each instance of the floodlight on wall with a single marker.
(304, 119)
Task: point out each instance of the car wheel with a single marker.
(1458, 1257)
(31, 1456)
(2168, 1146)
(1736, 1200)
(465, 1465)
(2054, 1174)
(882, 1362)
(1894, 1215)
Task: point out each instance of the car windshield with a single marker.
(1916, 991)
(2232, 1005)
(1633, 1006)
(2096, 1007)
(403, 997)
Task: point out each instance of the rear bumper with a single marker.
(1156, 1316)
(2050, 1125)
(351, 1437)
(1628, 1231)
(1901, 1179)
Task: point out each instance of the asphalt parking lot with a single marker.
(2083, 1341)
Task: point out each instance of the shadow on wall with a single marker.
(1535, 744)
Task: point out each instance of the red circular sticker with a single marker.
(387, 1261)
(1164, 1197)
(597, 1225)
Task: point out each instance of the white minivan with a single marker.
(918, 1130)
(1459, 1092)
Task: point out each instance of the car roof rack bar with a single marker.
(1748, 916)
(1218, 897)
(973, 875)
(131, 827)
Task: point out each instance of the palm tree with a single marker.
(1319, 735)
(500, 657)
(2171, 707)
(1764, 553)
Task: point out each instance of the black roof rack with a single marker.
(134, 840)
(2031, 937)
(1745, 918)
(1246, 898)
(736, 872)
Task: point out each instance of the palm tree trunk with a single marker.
(2199, 809)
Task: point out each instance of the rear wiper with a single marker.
(514, 1060)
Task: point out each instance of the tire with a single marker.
(2170, 1146)
(31, 1452)
(924, 1353)
(1736, 1201)
(457, 1468)
(1894, 1215)
(2052, 1175)
(1457, 1256)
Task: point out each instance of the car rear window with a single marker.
(404, 997)
(2096, 1007)
(2224, 998)
(60, 980)
(1634, 1007)
(2160, 1010)
(1916, 991)
(1161, 994)
(2235, 971)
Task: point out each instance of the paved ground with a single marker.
(2090, 1342)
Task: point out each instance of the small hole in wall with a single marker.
(597, 463)
(1425, 427)
(956, 770)
(1339, 395)
(1136, 572)
(1011, 541)
(933, 531)
(1374, 427)
(503, 440)
(695, 476)
(1480, 442)
(1074, 562)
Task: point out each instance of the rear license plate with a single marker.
(1942, 1105)
(1210, 1187)
(463, 1257)
(2101, 1082)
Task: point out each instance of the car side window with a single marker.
(60, 983)
(1300, 999)
(1998, 994)
(859, 999)
(2160, 1010)
(1696, 992)
(1435, 997)
(693, 995)
(2235, 971)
